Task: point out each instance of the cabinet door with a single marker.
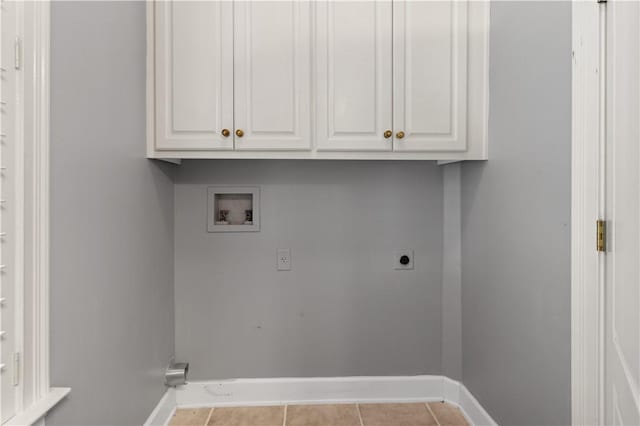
(194, 75)
(430, 75)
(272, 77)
(353, 75)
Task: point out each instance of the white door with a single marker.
(430, 75)
(272, 75)
(194, 75)
(353, 75)
(10, 140)
(622, 373)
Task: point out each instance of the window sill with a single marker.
(39, 409)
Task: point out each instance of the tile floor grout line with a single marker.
(284, 420)
(359, 414)
(432, 414)
(206, 423)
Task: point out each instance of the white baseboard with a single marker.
(470, 406)
(163, 412)
(331, 390)
(309, 391)
(35, 414)
(451, 390)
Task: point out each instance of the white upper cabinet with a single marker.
(194, 75)
(272, 75)
(328, 79)
(430, 75)
(353, 75)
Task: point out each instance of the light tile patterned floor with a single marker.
(415, 414)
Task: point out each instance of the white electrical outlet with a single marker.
(403, 259)
(284, 259)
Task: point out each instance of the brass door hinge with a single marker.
(601, 235)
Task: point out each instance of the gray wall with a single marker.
(451, 272)
(112, 221)
(515, 223)
(342, 310)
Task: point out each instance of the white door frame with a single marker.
(34, 395)
(587, 206)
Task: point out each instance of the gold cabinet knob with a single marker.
(239, 133)
(388, 134)
(400, 135)
(225, 133)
